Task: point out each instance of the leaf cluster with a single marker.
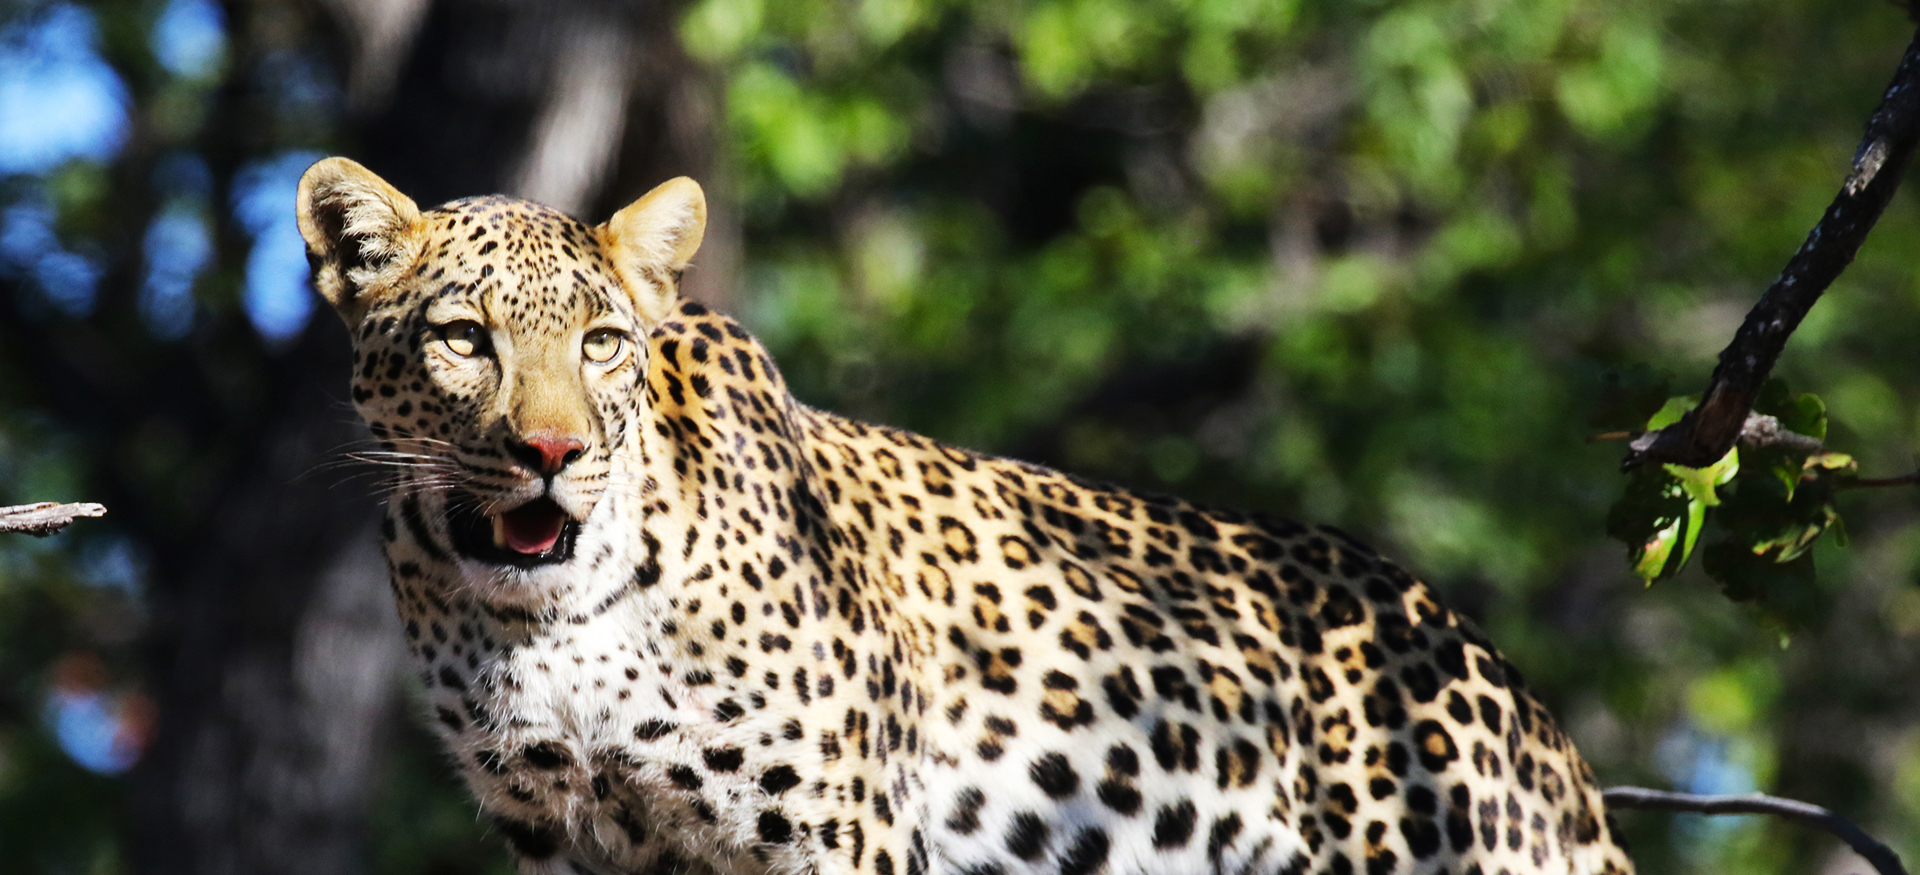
(1761, 509)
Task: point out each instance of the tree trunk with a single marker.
(274, 657)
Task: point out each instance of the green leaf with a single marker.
(1657, 560)
(1647, 518)
(1794, 540)
(1670, 412)
(1839, 463)
(1808, 511)
(1802, 414)
(1768, 530)
(1783, 466)
(1702, 484)
(1663, 511)
(1702, 490)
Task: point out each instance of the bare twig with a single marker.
(1909, 479)
(1879, 856)
(45, 518)
(1708, 431)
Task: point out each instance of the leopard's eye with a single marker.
(603, 345)
(464, 338)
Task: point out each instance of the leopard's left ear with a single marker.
(652, 239)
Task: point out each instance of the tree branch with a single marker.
(1708, 431)
(1761, 431)
(45, 518)
(1879, 856)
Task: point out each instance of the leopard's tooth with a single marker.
(499, 531)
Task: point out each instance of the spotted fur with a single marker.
(785, 641)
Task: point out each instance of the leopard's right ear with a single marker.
(358, 230)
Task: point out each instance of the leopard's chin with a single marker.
(533, 535)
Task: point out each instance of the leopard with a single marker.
(668, 619)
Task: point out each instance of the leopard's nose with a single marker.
(546, 454)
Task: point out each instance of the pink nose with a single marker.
(546, 453)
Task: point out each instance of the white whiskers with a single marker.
(426, 464)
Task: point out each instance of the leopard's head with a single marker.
(500, 347)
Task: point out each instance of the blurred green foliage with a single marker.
(1383, 264)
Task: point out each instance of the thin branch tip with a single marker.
(1908, 479)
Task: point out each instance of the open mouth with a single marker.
(533, 534)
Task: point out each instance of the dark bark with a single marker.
(270, 651)
(274, 652)
(1707, 432)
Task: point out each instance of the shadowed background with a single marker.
(1371, 263)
